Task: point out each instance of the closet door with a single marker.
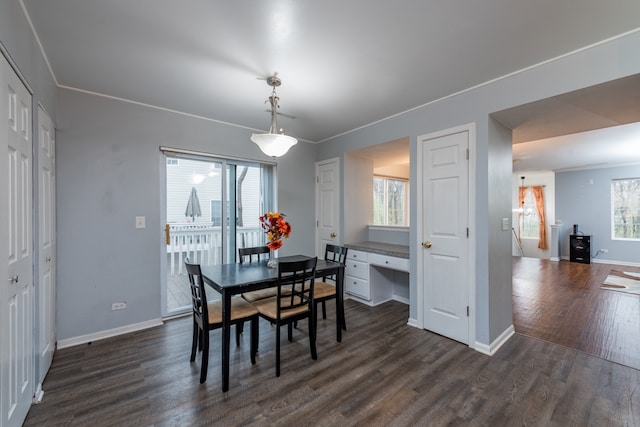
(47, 243)
(16, 255)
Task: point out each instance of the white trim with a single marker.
(398, 298)
(413, 322)
(83, 339)
(608, 261)
(491, 349)
(401, 228)
(38, 394)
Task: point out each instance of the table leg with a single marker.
(226, 337)
(339, 303)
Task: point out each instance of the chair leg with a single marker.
(205, 356)
(290, 332)
(277, 350)
(239, 328)
(254, 339)
(324, 309)
(312, 332)
(195, 340)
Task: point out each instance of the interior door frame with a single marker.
(471, 247)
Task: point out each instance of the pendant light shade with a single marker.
(274, 144)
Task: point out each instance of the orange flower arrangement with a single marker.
(276, 227)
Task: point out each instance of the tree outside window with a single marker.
(625, 204)
(529, 220)
(390, 201)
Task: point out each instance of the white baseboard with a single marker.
(83, 339)
(491, 349)
(39, 393)
(608, 261)
(412, 322)
(401, 299)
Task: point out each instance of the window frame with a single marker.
(405, 209)
(614, 208)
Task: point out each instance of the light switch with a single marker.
(140, 222)
(505, 224)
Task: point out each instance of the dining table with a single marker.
(236, 278)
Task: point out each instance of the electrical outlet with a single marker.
(118, 306)
(604, 251)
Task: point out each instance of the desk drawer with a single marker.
(394, 263)
(356, 286)
(357, 269)
(357, 255)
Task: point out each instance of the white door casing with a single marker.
(16, 255)
(444, 255)
(327, 204)
(47, 245)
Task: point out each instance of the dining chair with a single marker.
(249, 255)
(297, 304)
(208, 316)
(324, 291)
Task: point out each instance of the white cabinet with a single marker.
(370, 277)
(356, 274)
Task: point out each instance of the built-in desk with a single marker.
(377, 272)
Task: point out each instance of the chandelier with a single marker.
(274, 144)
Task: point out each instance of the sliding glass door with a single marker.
(212, 209)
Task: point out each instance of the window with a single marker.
(625, 206)
(390, 205)
(530, 223)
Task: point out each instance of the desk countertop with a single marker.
(399, 251)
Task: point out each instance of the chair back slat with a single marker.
(198, 293)
(301, 274)
(335, 253)
(251, 254)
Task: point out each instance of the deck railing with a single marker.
(203, 244)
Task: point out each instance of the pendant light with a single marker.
(274, 144)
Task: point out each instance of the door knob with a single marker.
(13, 279)
(426, 245)
(333, 235)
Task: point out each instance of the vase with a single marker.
(272, 263)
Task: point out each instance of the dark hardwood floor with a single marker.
(562, 302)
(383, 373)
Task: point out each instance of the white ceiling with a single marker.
(343, 65)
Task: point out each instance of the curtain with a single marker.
(538, 196)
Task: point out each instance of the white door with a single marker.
(16, 255)
(327, 204)
(47, 244)
(444, 225)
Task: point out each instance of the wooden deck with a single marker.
(179, 294)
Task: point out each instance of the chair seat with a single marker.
(254, 296)
(239, 309)
(269, 308)
(323, 290)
